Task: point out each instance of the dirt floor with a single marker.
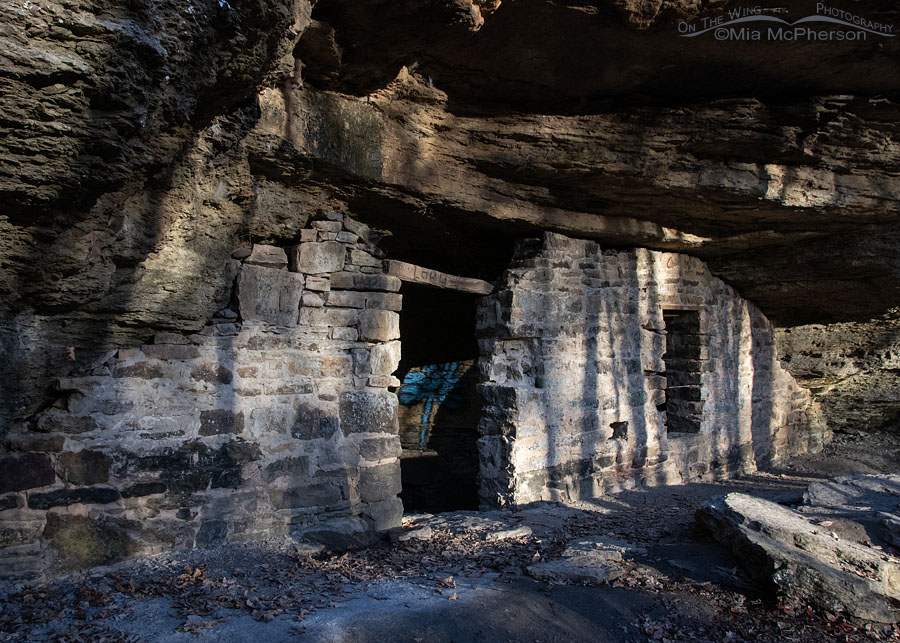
(465, 579)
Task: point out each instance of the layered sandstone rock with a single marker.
(151, 149)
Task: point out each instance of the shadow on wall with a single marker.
(577, 381)
(127, 262)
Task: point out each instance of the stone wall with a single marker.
(574, 377)
(273, 421)
(279, 419)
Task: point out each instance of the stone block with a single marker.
(25, 471)
(78, 542)
(341, 534)
(221, 421)
(141, 370)
(303, 387)
(347, 238)
(240, 451)
(327, 226)
(9, 502)
(385, 301)
(318, 284)
(296, 467)
(361, 358)
(316, 258)
(314, 423)
(33, 442)
(13, 534)
(379, 325)
(269, 256)
(312, 300)
(66, 497)
(212, 373)
(345, 334)
(303, 365)
(338, 365)
(271, 419)
(346, 299)
(56, 421)
(170, 351)
(363, 258)
(170, 338)
(357, 281)
(369, 412)
(307, 235)
(384, 358)
(386, 514)
(85, 467)
(380, 448)
(379, 483)
(228, 329)
(144, 489)
(333, 317)
(380, 381)
(319, 494)
(195, 466)
(268, 295)
(420, 275)
(359, 229)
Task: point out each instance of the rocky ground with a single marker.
(467, 577)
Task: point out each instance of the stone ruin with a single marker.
(285, 417)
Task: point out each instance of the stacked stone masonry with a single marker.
(573, 373)
(274, 421)
(280, 418)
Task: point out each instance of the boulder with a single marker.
(806, 562)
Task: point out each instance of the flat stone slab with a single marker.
(867, 492)
(864, 508)
(406, 534)
(462, 522)
(269, 295)
(576, 572)
(419, 275)
(523, 531)
(805, 560)
(588, 561)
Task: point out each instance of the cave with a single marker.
(335, 276)
(440, 408)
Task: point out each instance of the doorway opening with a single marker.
(440, 407)
(684, 366)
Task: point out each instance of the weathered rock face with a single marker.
(592, 385)
(133, 132)
(852, 368)
(149, 147)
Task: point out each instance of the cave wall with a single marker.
(575, 381)
(852, 368)
(144, 142)
(274, 420)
